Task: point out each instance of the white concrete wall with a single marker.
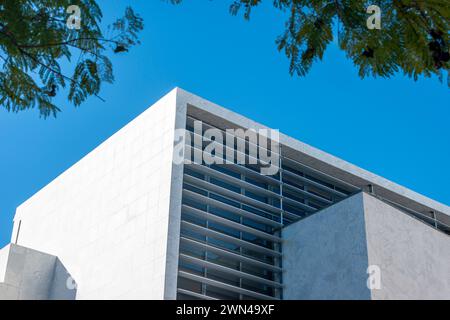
(4, 254)
(107, 217)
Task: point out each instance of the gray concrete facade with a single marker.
(325, 255)
(332, 254)
(28, 274)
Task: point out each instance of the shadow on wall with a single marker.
(64, 287)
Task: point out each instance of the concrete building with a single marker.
(278, 219)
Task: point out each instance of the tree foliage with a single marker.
(414, 38)
(35, 39)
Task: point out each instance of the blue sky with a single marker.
(396, 128)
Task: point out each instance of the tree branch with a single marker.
(20, 48)
(68, 42)
(55, 71)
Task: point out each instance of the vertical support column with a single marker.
(434, 218)
(281, 184)
(278, 292)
